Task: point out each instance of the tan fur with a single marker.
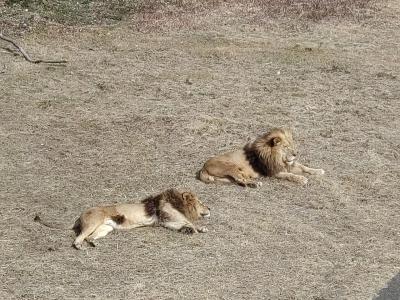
(171, 209)
(272, 154)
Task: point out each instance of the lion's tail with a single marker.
(51, 225)
(205, 177)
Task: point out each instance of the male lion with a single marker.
(272, 154)
(171, 209)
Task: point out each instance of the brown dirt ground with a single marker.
(135, 113)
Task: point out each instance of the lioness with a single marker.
(171, 209)
(272, 154)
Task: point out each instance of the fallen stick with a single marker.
(27, 57)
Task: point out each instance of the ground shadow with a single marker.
(391, 291)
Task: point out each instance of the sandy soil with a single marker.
(132, 114)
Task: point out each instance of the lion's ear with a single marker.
(276, 141)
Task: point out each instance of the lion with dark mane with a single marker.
(171, 209)
(272, 154)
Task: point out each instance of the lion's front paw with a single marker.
(319, 172)
(91, 242)
(302, 180)
(202, 229)
(255, 184)
(77, 246)
(188, 230)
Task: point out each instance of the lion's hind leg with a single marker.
(99, 232)
(89, 223)
(85, 232)
(226, 172)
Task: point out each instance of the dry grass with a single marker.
(25, 14)
(132, 114)
(314, 10)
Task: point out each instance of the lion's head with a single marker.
(275, 150)
(188, 204)
(194, 207)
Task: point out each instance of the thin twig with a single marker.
(27, 57)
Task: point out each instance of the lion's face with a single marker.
(276, 150)
(195, 207)
(203, 210)
(283, 146)
(287, 149)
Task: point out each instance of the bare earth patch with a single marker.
(134, 113)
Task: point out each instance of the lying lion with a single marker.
(171, 209)
(272, 154)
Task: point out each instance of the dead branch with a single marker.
(27, 57)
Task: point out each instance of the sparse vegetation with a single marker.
(89, 12)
